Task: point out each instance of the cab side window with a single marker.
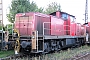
(72, 19)
(64, 16)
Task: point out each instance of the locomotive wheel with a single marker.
(17, 47)
(46, 47)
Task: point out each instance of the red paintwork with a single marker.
(57, 27)
(78, 29)
(83, 30)
(22, 24)
(88, 23)
(73, 29)
(40, 19)
(58, 14)
(67, 26)
(26, 26)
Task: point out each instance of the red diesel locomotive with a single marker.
(39, 32)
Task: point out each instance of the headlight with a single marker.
(15, 35)
(33, 37)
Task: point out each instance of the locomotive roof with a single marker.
(61, 13)
(54, 13)
(37, 13)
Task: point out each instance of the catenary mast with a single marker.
(86, 12)
(1, 18)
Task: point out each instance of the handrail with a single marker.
(55, 28)
(44, 25)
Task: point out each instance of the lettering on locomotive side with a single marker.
(30, 17)
(24, 18)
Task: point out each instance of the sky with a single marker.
(6, 5)
(73, 7)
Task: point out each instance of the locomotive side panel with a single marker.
(42, 24)
(78, 29)
(88, 23)
(83, 30)
(57, 26)
(73, 29)
(24, 23)
(67, 27)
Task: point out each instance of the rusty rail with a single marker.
(83, 57)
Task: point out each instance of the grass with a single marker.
(63, 55)
(6, 53)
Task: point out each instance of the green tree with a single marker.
(21, 6)
(9, 28)
(17, 6)
(0, 27)
(35, 8)
(41, 10)
(52, 7)
(3, 27)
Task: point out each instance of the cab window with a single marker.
(64, 16)
(72, 19)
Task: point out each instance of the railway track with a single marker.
(82, 57)
(28, 57)
(22, 57)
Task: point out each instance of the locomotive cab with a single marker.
(66, 16)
